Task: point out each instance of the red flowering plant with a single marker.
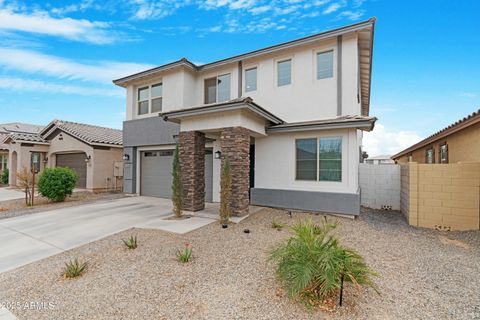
(185, 254)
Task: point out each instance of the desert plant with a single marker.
(4, 177)
(225, 191)
(277, 225)
(185, 254)
(131, 242)
(25, 182)
(57, 183)
(177, 188)
(313, 265)
(74, 268)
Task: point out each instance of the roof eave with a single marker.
(365, 125)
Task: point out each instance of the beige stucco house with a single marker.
(93, 152)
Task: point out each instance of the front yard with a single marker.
(423, 274)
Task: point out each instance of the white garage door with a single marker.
(156, 177)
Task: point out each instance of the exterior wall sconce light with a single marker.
(88, 158)
(126, 157)
(218, 154)
(176, 138)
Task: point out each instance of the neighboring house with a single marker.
(94, 153)
(459, 142)
(289, 117)
(382, 159)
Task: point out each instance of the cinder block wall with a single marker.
(443, 196)
(405, 190)
(380, 186)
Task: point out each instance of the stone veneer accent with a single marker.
(192, 163)
(235, 142)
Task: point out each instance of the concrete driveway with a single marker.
(10, 194)
(36, 236)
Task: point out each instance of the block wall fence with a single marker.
(380, 186)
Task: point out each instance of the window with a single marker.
(325, 65)
(319, 159)
(306, 151)
(444, 153)
(330, 161)
(284, 72)
(3, 162)
(410, 158)
(251, 79)
(149, 99)
(430, 156)
(217, 89)
(35, 161)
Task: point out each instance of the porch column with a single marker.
(235, 142)
(192, 163)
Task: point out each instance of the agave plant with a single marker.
(131, 242)
(74, 268)
(313, 265)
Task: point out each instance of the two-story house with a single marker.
(289, 118)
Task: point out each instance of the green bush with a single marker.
(57, 183)
(313, 265)
(4, 177)
(74, 268)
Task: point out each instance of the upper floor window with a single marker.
(217, 89)
(430, 156)
(149, 99)
(325, 64)
(444, 153)
(319, 159)
(251, 79)
(284, 72)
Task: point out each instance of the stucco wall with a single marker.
(380, 186)
(444, 196)
(23, 158)
(306, 98)
(275, 162)
(103, 162)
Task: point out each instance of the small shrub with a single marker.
(74, 268)
(25, 182)
(131, 242)
(185, 254)
(277, 225)
(312, 265)
(57, 183)
(4, 177)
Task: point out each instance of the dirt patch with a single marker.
(229, 277)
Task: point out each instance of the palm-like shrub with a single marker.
(177, 189)
(57, 183)
(313, 265)
(74, 268)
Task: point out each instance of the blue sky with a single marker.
(57, 58)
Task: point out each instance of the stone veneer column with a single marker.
(235, 142)
(192, 163)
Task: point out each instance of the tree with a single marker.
(177, 188)
(25, 182)
(226, 191)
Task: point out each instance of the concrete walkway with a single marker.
(7, 194)
(29, 238)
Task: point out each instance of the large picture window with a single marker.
(319, 159)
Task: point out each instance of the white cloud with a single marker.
(351, 15)
(147, 9)
(468, 94)
(40, 22)
(384, 141)
(35, 62)
(41, 86)
(334, 7)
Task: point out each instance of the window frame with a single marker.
(317, 53)
(277, 69)
(149, 99)
(317, 148)
(440, 153)
(433, 155)
(216, 88)
(245, 78)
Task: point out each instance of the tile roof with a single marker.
(465, 122)
(90, 134)
(26, 137)
(20, 127)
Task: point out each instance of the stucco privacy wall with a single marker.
(444, 196)
(103, 169)
(380, 186)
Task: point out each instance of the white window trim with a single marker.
(292, 68)
(216, 85)
(315, 63)
(150, 98)
(318, 158)
(244, 80)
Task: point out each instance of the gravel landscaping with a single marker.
(424, 274)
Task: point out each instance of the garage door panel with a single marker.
(76, 162)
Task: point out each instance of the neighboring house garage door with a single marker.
(156, 177)
(76, 162)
